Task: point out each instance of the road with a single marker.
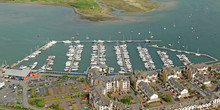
(25, 97)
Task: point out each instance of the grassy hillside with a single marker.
(89, 9)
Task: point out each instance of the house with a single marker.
(147, 92)
(216, 68)
(177, 88)
(201, 78)
(145, 76)
(191, 69)
(17, 73)
(170, 72)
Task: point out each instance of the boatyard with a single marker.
(98, 56)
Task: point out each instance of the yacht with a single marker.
(34, 65)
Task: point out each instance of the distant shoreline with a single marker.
(100, 17)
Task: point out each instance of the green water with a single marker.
(21, 23)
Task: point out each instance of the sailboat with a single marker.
(149, 31)
(164, 28)
(197, 54)
(151, 36)
(174, 25)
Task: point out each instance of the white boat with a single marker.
(67, 41)
(66, 70)
(26, 59)
(34, 65)
(23, 67)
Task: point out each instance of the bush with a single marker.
(126, 100)
(82, 80)
(167, 98)
(37, 102)
(109, 95)
(146, 105)
(54, 106)
(204, 86)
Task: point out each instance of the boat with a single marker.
(67, 42)
(164, 28)
(23, 67)
(26, 59)
(34, 65)
(66, 70)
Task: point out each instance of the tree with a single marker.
(204, 86)
(109, 95)
(82, 80)
(167, 98)
(126, 100)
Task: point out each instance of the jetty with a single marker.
(110, 41)
(183, 51)
(44, 47)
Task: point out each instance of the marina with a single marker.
(146, 58)
(98, 57)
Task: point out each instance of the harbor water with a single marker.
(24, 27)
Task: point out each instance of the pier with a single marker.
(44, 47)
(183, 51)
(112, 41)
(62, 73)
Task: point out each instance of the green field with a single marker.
(89, 9)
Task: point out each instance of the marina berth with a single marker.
(165, 59)
(146, 58)
(183, 59)
(123, 59)
(74, 57)
(98, 54)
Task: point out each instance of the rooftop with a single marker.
(17, 72)
(146, 89)
(176, 85)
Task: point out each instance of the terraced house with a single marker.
(177, 89)
(147, 92)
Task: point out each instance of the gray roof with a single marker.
(175, 85)
(200, 77)
(146, 89)
(98, 96)
(17, 72)
(145, 73)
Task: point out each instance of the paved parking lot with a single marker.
(8, 94)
